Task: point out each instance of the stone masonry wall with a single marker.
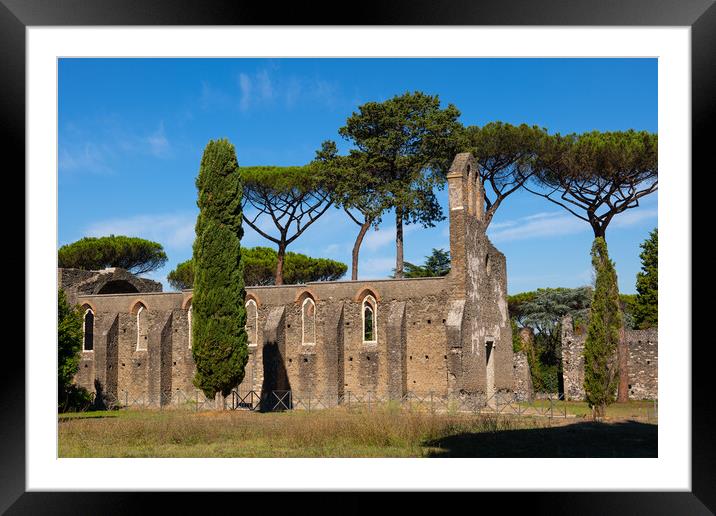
(572, 360)
(481, 358)
(521, 377)
(78, 282)
(642, 365)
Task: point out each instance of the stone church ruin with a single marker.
(438, 336)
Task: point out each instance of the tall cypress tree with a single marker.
(601, 370)
(219, 340)
(646, 307)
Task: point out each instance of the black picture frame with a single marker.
(700, 15)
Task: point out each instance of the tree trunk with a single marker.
(279, 263)
(398, 243)
(599, 231)
(623, 356)
(356, 248)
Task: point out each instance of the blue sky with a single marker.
(131, 133)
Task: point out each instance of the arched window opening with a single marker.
(142, 327)
(308, 318)
(470, 192)
(487, 264)
(252, 322)
(370, 320)
(479, 197)
(88, 330)
(188, 317)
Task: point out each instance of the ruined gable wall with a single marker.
(478, 277)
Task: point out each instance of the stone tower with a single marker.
(479, 331)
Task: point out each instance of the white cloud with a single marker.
(254, 89)
(158, 143)
(535, 216)
(89, 157)
(335, 250)
(245, 87)
(94, 152)
(378, 238)
(539, 225)
(292, 92)
(374, 268)
(265, 87)
(172, 230)
(551, 224)
(375, 239)
(633, 216)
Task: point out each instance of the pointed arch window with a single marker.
(308, 319)
(370, 320)
(188, 318)
(88, 331)
(252, 322)
(140, 312)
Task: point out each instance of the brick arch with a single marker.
(303, 294)
(250, 296)
(187, 302)
(118, 282)
(134, 306)
(366, 291)
(117, 286)
(85, 305)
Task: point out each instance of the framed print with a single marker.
(110, 107)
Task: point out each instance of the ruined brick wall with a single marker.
(521, 373)
(572, 359)
(78, 282)
(409, 353)
(132, 364)
(642, 364)
(521, 377)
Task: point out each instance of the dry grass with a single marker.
(387, 432)
(639, 410)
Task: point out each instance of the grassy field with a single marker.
(645, 411)
(382, 432)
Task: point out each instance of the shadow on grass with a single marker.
(624, 439)
(70, 416)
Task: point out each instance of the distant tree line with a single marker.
(259, 265)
